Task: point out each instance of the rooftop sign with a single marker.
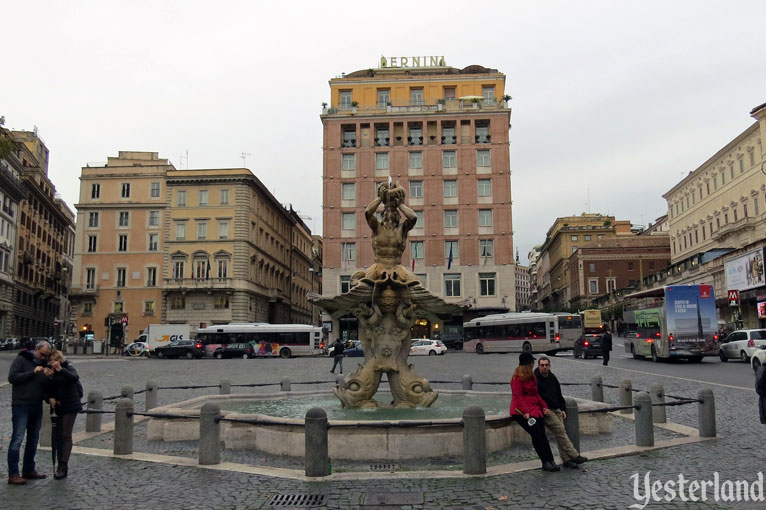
(432, 61)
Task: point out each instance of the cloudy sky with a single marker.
(613, 101)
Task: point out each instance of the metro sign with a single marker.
(733, 298)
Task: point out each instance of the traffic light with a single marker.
(85, 327)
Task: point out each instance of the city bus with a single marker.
(512, 332)
(677, 321)
(569, 329)
(269, 340)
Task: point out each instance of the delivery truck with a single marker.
(156, 335)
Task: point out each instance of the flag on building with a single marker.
(449, 261)
(413, 264)
(207, 274)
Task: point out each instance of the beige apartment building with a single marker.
(717, 225)
(442, 134)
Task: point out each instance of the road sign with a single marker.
(124, 320)
(733, 298)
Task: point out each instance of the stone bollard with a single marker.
(123, 427)
(706, 413)
(467, 382)
(316, 457)
(46, 427)
(626, 395)
(95, 403)
(285, 384)
(126, 392)
(596, 388)
(152, 395)
(340, 381)
(657, 392)
(643, 419)
(209, 434)
(474, 441)
(225, 387)
(572, 422)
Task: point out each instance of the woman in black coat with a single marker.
(63, 391)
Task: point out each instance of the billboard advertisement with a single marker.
(690, 312)
(746, 272)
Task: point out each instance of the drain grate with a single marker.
(382, 467)
(296, 500)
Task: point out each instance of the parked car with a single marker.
(452, 341)
(243, 351)
(355, 351)
(758, 358)
(588, 346)
(742, 344)
(426, 347)
(181, 349)
(6, 344)
(136, 349)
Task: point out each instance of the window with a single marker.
(715, 183)
(451, 247)
(122, 244)
(221, 302)
(95, 191)
(381, 161)
(151, 276)
(416, 135)
(416, 189)
(592, 268)
(448, 135)
(452, 285)
(488, 92)
(486, 248)
(148, 307)
(349, 191)
(482, 158)
(201, 230)
(155, 190)
(485, 217)
(201, 268)
(485, 187)
(416, 97)
(450, 219)
(121, 272)
(416, 159)
(178, 269)
(450, 189)
(223, 268)
(348, 252)
(224, 197)
(349, 221)
(384, 97)
(349, 162)
(381, 136)
(93, 219)
(223, 230)
(181, 198)
(449, 159)
(587, 237)
(345, 99)
(345, 284)
(124, 219)
(755, 206)
(180, 231)
(92, 245)
(203, 197)
(125, 192)
(574, 238)
(487, 284)
(153, 242)
(118, 307)
(611, 285)
(87, 308)
(416, 249)
(154, 218)
(593, 286)
(449, 93)
(177, 303)
(630, 266)
(574, 249)
(419, 222)
(349, 137)
(90, 278)
(482, 134)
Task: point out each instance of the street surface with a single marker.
(105, 482)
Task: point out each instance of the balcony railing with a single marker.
(443, 105)
(732, 228)
(197, 283)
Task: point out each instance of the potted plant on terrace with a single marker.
(439, 105)
(354, 105)
(324, 108)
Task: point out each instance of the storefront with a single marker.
(745, 274)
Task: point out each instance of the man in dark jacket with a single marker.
(27, 375)
(760, 388)
(606, 344)
(550, 391)
(337, 354)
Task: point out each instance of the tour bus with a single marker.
(269, 340)
(677, 321)
(512, 332)
(569, 329)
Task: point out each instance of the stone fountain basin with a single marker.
(360, 441)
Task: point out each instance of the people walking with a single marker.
(63, 392)
(549, 390)
(27, 376)
(337, 354)
(760, 388)
(528, 409)
(606, 344)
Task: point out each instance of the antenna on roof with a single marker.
(181, 159)
(587, 201)
(244, 158)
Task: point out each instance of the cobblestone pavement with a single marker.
(104, 482)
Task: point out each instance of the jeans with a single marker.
(26, 419)
(539, 439)
(338, 362)
(606, 357)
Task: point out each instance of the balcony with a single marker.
(738, 226)
(425, 106)
(190, 284)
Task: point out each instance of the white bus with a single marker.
(512, 332)
(568, 328)
(269, 340)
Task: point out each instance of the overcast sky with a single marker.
(615, 100)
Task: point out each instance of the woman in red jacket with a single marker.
(525, 404)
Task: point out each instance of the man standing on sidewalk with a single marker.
(550, 390)
(27, 375)
(337, 354)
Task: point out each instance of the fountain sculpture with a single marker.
(386, 298)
